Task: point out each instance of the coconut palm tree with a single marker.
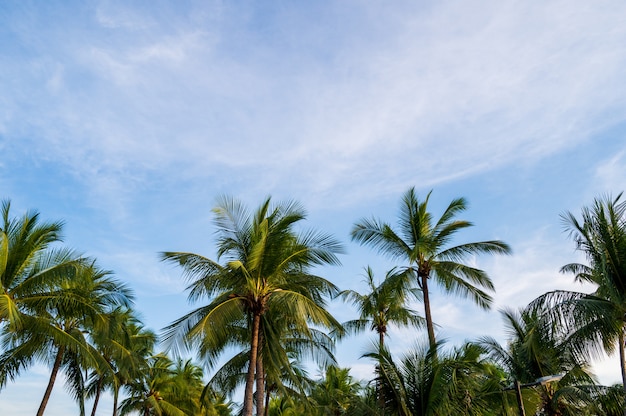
(595, 322)
(425, 246)
(535, 350)
(26, 244)
(384, 304)
(125, 345)
(337, 393)
(150, 393)
(282, 348)
(425, 382)
(58, 332)
(173, 388)
(266, 263)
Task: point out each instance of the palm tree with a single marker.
(25, 243)
(337, 393)
(151, 392)
(425, 246)
(384, 304)
(282, 348)
(173, 388)
(595, 322)
(125, 345)
(267, 264)
(186, 390)
(534, 350)
(58, 332)
(428, 382)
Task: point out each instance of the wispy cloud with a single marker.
(408, 101)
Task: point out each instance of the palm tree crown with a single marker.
(29, 269)
(384, 304)
(425, 244)
(266, 263)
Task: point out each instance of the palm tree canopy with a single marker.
(30, 270)
(385, 303)
(428, 381)
(263, 262)
(425, 244)
(595, 320)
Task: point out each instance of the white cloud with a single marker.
(421, 102)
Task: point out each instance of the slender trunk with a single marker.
(53, 377)
(268, 394)
(379, 384)
(429, 318)
(260, 378)
(97, 397)
(622, 362)
(116, 394)
(248, 397)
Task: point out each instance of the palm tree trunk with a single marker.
(53, 377)
(97, 397)
(427, 314)
(248, 397)
(260, 379)
(379, 384)
(622, 362)
(116, 394)
(268, 396)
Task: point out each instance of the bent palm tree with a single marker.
(267, 265)
(424, 245)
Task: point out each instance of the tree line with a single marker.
(263, 312)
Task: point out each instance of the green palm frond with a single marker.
(262, 268)
(424, 244)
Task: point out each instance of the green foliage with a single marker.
(425, 245)
(429, 381)
(264, 303)
(384, 304)
(266, 268)
(534, 350)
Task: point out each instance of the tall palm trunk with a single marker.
(268, 396)
(260, 379)
(248, 398)
(379, 383)
(53, 377)
(97, 397)
(116, 395)
(622, 362)
(427, 314)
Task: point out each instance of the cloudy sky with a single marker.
(128, 120)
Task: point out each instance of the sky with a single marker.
(128, 120)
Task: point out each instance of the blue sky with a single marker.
(128, 119)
